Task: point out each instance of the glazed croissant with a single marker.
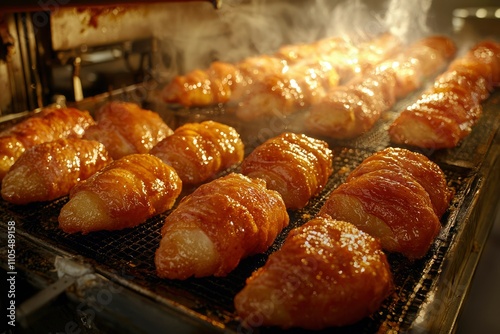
(217, 225)
(47, 125)
(391, 202)
(312, 71)
(414, 165)
(327, 273)
(350, 59)
(295, 165)
(351, 110)
(295, 88)
(447, 112)
(221, 82)
(125, 128)
(49, 170)
(123, 194)
(224, 82)
(198, 151)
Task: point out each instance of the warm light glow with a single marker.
(481, 12)
(461, 12)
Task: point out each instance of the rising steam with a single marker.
(243, 28)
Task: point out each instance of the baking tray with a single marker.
(126, 257)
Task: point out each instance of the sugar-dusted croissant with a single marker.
(392, 205)
(198, 151)
(327, 273)
(217, 225)
(125, 128)
(295, 165)
(47, 125)
(49, 170)
(123, 194)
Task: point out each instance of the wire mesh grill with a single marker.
(129, 254)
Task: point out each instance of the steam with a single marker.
(194, 37)
(407, 19)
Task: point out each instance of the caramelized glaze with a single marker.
(198, 151)
(351, 110)
(125, 128)
(295, 165)
(229, 218)
(447, 112)
(49, 170)
(123, 194)
(327, 273)
(397, 196)
(48, 125)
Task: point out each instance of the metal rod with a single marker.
(43, 297)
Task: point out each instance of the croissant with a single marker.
(47, 125)
(295, 88)
(125, 128)
(313, 70)
(49, 170)
(347, 57)
(351, 110)
(221, 82)
(198, 151)
(230, 83)
(295, 165)
(123, 194)
(392, 204)
(416, 165)
(205, 87)
(217, 225)
(446, 113)
(327, 273)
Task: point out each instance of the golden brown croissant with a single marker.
(217, 225)
(392, 205)
(221, 82)
(205, 87)
(348, 58)
(123, 194)
(447, 112)
(295, 165)
(419, 167)
(327, 273)
(49, 170)
(198, 151)
(230, 83)
(47, 125)
(295, 88)
(125, 128)
(351, 110)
